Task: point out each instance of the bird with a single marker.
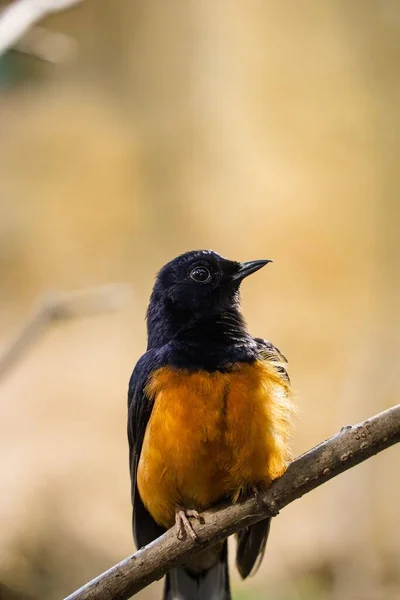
(209, 417)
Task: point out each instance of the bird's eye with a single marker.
(200, 274)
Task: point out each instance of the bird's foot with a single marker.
(183, 524)
(268, 504)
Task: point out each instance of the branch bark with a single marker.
(351, 446)
(21, 15)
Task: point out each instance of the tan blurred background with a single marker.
(258, 129)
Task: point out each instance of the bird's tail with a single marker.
(183, 583)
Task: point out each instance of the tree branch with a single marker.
(351, 446)
(21, 15)
(48, 45)
(61, 306)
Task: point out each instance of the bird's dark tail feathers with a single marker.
(251, 547)
(211, 584)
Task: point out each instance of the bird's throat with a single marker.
(203, 341)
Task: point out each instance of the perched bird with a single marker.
(209, 411)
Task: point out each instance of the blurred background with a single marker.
(145, 128)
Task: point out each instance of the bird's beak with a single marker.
(249, 267)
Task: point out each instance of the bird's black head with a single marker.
(194, 291)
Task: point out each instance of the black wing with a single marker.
(268, 351)
(252, 541)
(145, 529)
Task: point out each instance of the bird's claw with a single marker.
(269, 505)
(183, 524)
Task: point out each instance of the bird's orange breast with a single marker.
(212, 435)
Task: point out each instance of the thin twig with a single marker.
(44, 44)
(21, 15)
(351, 446)
(62, 306)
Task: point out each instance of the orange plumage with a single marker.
(212, 435)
